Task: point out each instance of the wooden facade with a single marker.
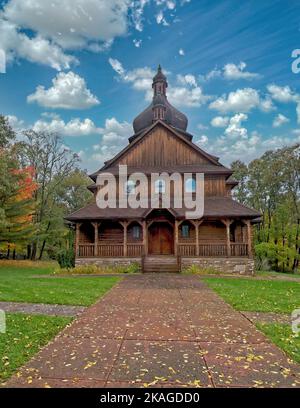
(224, 230)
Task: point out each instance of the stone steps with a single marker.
(160, 264)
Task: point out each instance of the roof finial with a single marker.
(159, 68)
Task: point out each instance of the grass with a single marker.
(283, 337)
(19, 283)
(24, 337)
(258, 295)
(274, 274)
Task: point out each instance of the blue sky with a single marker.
(83, 68)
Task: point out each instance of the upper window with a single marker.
(160, 186)
(185, 231)
(190, 185)
(130, 187)
(136, 232)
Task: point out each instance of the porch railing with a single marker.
(210, 250)
(184, 249)
(110, 250)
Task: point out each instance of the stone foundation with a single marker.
(108, 261)
(236, 266)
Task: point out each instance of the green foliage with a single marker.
(66, 258)
(25, 284)
(258, 295)
(271, 184)
(7, 135)
(24, 337)
(93, 269)
(196, 270)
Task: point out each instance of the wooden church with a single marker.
(163, 239)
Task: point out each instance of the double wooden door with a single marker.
(161, 239)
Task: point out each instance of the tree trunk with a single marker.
(28, 251)
(8, 252)
(33, 251)
(44, 243)
(297, 247)
(14, 254)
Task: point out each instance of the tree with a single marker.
(7, 135)
(53, 163)
(271, 184)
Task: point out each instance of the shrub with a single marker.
(66, 259)
(93, 269)
(196, 270)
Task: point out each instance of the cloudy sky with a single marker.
(84, 68)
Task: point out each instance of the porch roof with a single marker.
(214, 207)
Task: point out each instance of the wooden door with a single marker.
(161, 239)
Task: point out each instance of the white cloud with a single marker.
(160, 19)
(282, 94)
(70, 23)
(181, 52)
(137, 43)
(74, 127)
(235, 72)
(280, 120)
(242, 100)
(220, 121)
(69, 91)
(36, 49)
(285, 94)
(202, 141)
(234, 129)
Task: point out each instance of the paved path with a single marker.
(38, 308)
(160, 331)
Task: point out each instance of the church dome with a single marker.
(160, 108)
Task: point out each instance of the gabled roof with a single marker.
(212, 159)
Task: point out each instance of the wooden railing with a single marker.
(135, 250)
(212, 250)
(110, 250)
(184, 249)
(86, 250)
(187, 249)
(239, 249)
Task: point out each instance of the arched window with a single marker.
(190, 185)
(136, 231)
(185, 231)
(130, 187)
(160, 186)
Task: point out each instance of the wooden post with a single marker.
(197, 225)
(96, 226)
(125, 224)
(145, 238)
(249, 237)
(227, 224)
(176, 238)
(77, 238)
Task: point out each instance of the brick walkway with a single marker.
(160, 331)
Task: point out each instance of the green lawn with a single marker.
(258, 295)
(283, 337)
(24, 336)
(19, 284)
